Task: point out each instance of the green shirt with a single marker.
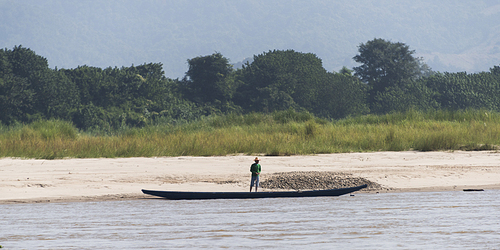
(255, 168)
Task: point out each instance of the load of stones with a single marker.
(313, 180)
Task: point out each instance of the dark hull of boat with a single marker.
(178, 195)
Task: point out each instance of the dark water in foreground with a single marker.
(429, 220)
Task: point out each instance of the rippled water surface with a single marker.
(428, 220)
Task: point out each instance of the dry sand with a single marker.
(123, 178)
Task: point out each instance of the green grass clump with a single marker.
(280, 133)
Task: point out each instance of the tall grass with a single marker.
(279, 133)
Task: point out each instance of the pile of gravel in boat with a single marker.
(314, 180)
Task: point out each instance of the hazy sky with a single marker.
(449, 35)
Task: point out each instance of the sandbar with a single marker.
(65, 180)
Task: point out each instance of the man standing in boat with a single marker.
(255, 169)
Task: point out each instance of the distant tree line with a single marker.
(388, 79)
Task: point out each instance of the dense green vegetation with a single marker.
(217, 110)
(389, 79)
(278, 133)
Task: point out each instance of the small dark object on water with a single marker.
(472, 189)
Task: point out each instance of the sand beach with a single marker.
(64, 180)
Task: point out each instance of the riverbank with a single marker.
(104, 179)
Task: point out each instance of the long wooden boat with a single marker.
(180, 195)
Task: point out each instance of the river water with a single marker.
(420, 220)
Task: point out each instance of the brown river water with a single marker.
(419, 220)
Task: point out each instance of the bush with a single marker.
(49, 130)
(291, 115)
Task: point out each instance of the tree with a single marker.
(26, 62)
(279, 80)
(413, 95)
(29, 90)
(56, 95)
(21, 71)
(346, 71)
(387, 64)
(127, 96)
(462, 91)
(341, 95)
(16, 99)
(208, 79)
(495, 71)
(88, 80)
